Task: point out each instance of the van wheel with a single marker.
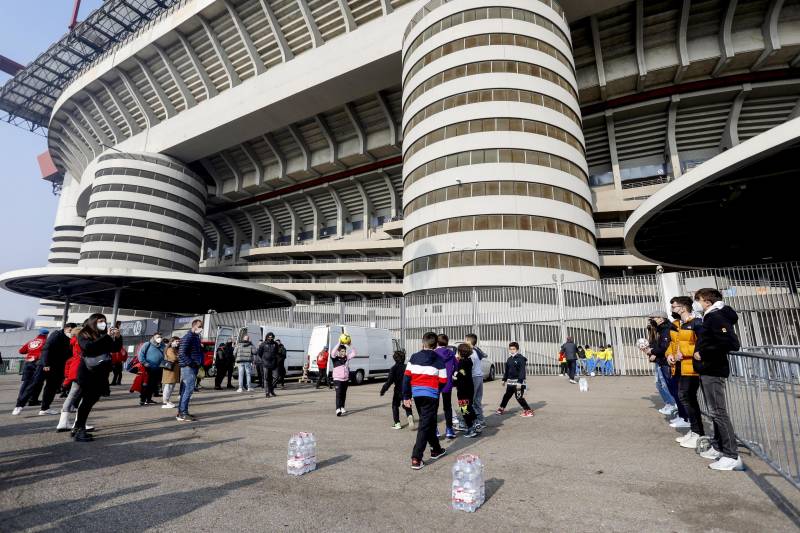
(491, 373)
(359, 379)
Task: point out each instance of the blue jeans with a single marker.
(609, 367)
(591, 363)
(188, 380)
(245, 372)
(663, 389)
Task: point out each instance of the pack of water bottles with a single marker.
(302, 456)
(468, 488)
(583, 385)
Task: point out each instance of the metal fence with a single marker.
(595, 313)
(763, 394)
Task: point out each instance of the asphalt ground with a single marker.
(604, 460)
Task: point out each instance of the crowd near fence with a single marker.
(595, 313)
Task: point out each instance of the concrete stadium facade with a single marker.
(351, 149)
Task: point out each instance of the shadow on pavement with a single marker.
(772, 492)
(492, 485)
(332, 461)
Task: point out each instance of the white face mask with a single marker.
(199, 331)
(158, 340)
(69, 335)
(101, 326)
(175, 344)
(697, 307)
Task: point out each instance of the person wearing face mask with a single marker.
(150, 355)
(683, 338)
(244, 359)
(97, 342)
(190, 359)
(658, 340)
(55, 353)
(170, 376)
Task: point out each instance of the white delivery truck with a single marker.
(295, 340)
(374, 348)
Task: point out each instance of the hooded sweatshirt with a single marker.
(32, 349)
(716, 339)
(516, 369)
(448, 357)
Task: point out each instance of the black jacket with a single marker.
(716, 339)
(104, 344)
(462, 379)
(268, 353)
(227, 353)
(659, 347)
(570, 350)
(281, 354)
(56, 351)
(395, 378)
(516, 368)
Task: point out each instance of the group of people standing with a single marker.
(264, 364)
(690, 353)
(575, 360)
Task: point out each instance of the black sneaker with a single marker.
(417, 464)
(436, 455)
(82, 436)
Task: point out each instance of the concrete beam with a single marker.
(186, 94)
(641, 64)
(366, 208)
(682, 41)
(254, 160)
(219, 183)
(328, 134)
(220, 238)
(598, 56)
(169, 109)
(235, 170)
(311, 25)
(317, 215)
(769, 31)
(205, 79)
(80, 155)
(274, 225)
(252, 53)
(394, 196)
(349, 21)
(286, 52)
(233, 77)
(726, 51)
(255, 229)
(672, 141)
(350, 111)
(96, 129)
(730, 135)
(90, 141)
(115, 131)
(342, 213)
(150, 118)
(386, 7)
(278, 156)
(295, 221)
(133, 126)
(301, 143)
(394, 132)
(612, 148)
(238, 237)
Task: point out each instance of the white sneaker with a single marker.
(572, 381)
(168, 405)
(711, 453)
(690, 441)
(667, 409)
(338, 412)
(679, 422)
(49, 412)
(344, 411)
(682, 437)
(411, 425)
(239, 389)
(249, 390)
(16, 411)
(726, 463)
(592, 374)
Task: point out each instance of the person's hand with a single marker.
(697, 356)
(679, 357)
(648, 351)
(670, 360)
(652, 358)
(407, 404)
(519, 386)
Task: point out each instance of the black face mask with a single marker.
(676, 316)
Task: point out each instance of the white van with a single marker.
(374, 348)
(295, 340)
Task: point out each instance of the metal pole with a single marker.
(115, 309)
(562, 322)
(65, 316)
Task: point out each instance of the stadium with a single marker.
(340, 150)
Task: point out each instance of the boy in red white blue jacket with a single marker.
(424, 378)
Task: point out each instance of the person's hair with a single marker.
(173, 339)
(442, 340)
(513, 345)
(710, 295)
(77, 330)
(570, 339)
(587, 347)
(683, 301)
(652, 333)
(472, 337)
(270, 334)
(158, 333)
(70, 325)
(399, 356)
(464, 350)
(429, 340)
(342, 347)
(608, 346)
(90, 330)
(197, 321)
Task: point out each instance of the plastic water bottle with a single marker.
(468, 491)
(302, 454)
(583, 385)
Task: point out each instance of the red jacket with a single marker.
(32, 350)
(71, 367)
(117, 358)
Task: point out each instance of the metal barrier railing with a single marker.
(763, 395)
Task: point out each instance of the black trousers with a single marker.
(117, 370)
(224, 369)
(324, 376)
(427, 408)
(89, 397)
(281, 379)
(447, 407)
(153, 382)
(687, 392)
(467, 410)
(341, 393)
(32, 375)
(269, 378)
(511, 390)
(52, 384)
(397, 401)
(571, 368)
(259, 377)
(724, 439)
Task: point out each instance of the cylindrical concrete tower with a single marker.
(495, 175)
(68, 228)
(146, 211)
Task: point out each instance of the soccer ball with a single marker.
(642, 344)
(345, 339)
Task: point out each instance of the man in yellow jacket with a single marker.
(600, 355)
(590, 360)
(683, 337)
(609, 355)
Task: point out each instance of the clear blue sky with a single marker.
(27, 206)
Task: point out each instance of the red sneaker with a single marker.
(527, 414)
(500, 411)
